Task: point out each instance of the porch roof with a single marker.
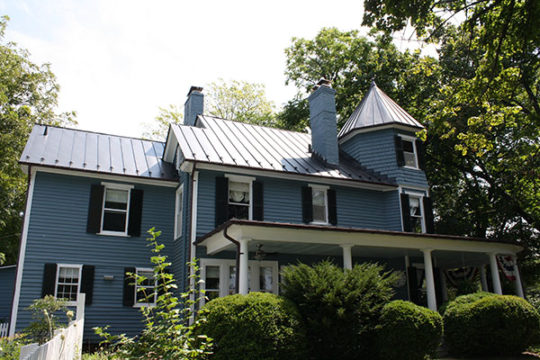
(224, 237)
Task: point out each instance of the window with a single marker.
(219, 277)
(320, 204)
(239, 200)
(115, 209)
(408, 146)
(179, 212)
(145, 289)
(68, 282)
(416, 214)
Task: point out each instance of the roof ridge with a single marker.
(100, 133)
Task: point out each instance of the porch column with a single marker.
(430, 281)
(495, 274)
(243, 270)
(483, 278)
(519, 286)
(347, 256)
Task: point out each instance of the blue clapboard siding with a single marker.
(376, 150)
(57, 234)
(358, 208)
(180, 255)
(7, 282)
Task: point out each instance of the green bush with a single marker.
(340, 309)
(464, 299)
(10, 347)
(490, 325)
(256, 326)
(408, 331)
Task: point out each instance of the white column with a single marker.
(243, 284)
(495, 274)
(483, 278)
(430, 281)
(347, 256)
(519, 286)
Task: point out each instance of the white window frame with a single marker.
(115, 186)
(224, 273)
(415, 151)
(246, 180)
(73, 266)
(324, 188)
(179, 210)
(420, 197)
(137, 286)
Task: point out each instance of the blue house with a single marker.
(244, 199)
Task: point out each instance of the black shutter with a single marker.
(421, 150)
(307, 204)
(49, 280)
(87, 283)
(399, 151)
(428, 215)
(222, 199)
(129, 287)
(135, 212)
(258, 201)
(332, 209)
(413, 284)
(93, 222)
(405, 212)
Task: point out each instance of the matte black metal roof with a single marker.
(376, 109)
(232, 143)
(89, 151)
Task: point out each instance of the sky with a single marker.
(118, 61)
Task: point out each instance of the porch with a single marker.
(435, 253)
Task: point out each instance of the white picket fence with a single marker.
(4, 329)
(66, 344)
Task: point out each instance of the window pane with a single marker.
(212, 277)
(319, 213)
(238, 192)
(116, 199)
(414, 206)
(149, 278)
(265, 279)
(416, 224)
(410, 159)
(318, 197)
(238, 211)
(113, 221)
(408, 146)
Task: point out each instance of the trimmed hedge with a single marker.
(490, 325)
(408, 331)
(256, 326)
(464, 299)
(340, 309)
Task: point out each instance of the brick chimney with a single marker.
(323, 122)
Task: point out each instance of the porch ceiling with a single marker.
(325, 240)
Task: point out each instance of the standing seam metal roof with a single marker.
(232, 143)
(375, 109)
(90, 151)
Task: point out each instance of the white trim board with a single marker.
(22, 253)
(104, 176)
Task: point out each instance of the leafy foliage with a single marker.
(166, 334)
(45, 313)
(340, 308)
(408, 331)
(256, 326)
(158, 129)
(490, 325)
(10, 347)
(28, 95)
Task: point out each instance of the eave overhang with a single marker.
(215, 241)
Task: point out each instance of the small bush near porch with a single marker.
(490, 325)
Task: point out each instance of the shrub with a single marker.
(45, 313)
(254, 326)
(340, 309)
(490, 325)
(408, 331)
(10, 347)
(464, 299)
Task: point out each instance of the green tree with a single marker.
(351, 62)
(236, 100)
(28, 95)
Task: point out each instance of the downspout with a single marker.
(237, 243)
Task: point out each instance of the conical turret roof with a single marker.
(376, 109)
